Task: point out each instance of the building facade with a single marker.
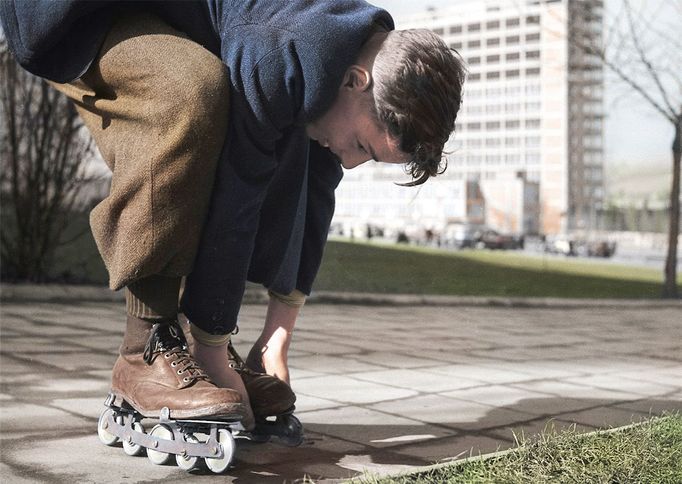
(530, 127)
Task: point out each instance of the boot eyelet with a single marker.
(185, 379)
(174, 364)
(167, 355)
(180, 372)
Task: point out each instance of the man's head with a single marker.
(397, 104)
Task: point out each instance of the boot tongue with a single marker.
(164, 336)
(171, 336)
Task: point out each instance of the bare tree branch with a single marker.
(645, 61)
(42, 157)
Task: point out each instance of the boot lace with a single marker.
(168, 338)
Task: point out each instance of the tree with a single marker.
(645, 53)
(43, 155)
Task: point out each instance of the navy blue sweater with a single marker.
(273, 199)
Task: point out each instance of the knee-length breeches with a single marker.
(156, 104)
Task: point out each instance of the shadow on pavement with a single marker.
(337, 451)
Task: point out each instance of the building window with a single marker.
(532, 123)
(492, 75)
(439, 31)
(473, 44)
(493, 24)
(455, 29)
(474, 76)
(533, 20)
(513, 73)
(533, 89)
(533, 54)
(512, 56)
(533, 37)
(513, 39)
(492, 125)
(512, 124)
(533, 71)
(473, 126)
(492, 42)
(492, 58)
(532, 141)
(473, 27)
(532, 157)
(456, 45)
(474, 60)
(512, 22)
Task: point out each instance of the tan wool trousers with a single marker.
(156, 104)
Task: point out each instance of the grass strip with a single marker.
(650, 452)
(363, 267)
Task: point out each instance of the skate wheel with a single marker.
(106, 437)
(163, 432)
(293, 436)
(134, 449)
(187, 463)
(226, 441)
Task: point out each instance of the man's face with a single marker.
(351, 131)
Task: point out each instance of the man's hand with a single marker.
(270, 352)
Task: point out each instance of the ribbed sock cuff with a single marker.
(207, 338)
(154, 297)
(294, 299)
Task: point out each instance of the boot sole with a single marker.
(231, 412)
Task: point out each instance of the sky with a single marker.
(634, 134)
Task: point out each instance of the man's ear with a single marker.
(357, 78)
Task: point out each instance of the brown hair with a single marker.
(417, 93)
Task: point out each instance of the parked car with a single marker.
(491, 239)
(580, 247)
(601, 248)
(462, 235)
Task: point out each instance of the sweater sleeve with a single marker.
(264, 102)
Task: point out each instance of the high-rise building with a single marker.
(529, 131)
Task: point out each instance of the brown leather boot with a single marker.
(268, 394)
(166, 375)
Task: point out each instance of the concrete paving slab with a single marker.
(530, 429)
(617, 383)
(604, 417)
(480, 373)
(388, 359)
(350, 390)
(455, 447)
(19, 416)
(370, 398)
(415, 380)
(494, 395)
(368, 427)
(451, 413)
(562, 389)
(333, 364)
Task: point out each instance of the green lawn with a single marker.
(648, 453)
(363, 267)
(401, 269)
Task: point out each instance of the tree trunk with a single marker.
(670, 284)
